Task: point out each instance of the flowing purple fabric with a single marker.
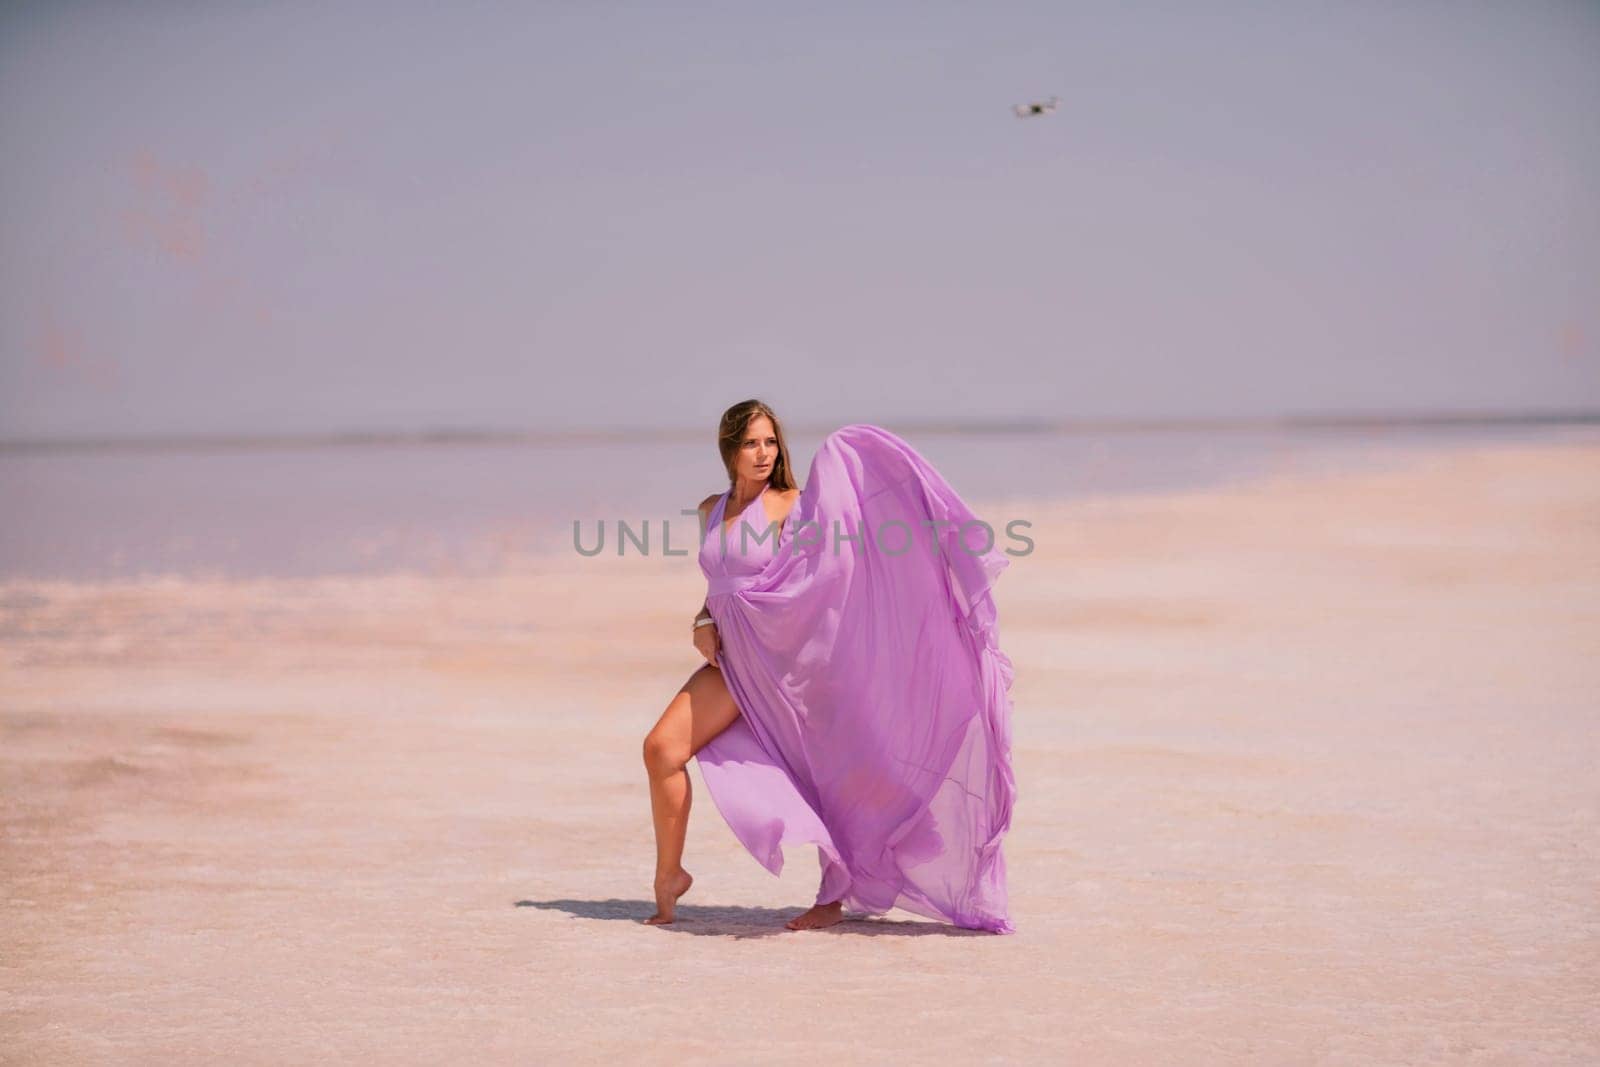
(861, 644)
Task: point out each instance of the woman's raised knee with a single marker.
(663, 755)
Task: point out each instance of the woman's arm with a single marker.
(705, 636)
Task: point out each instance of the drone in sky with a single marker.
(1035, 109)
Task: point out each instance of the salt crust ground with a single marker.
(1306, 770)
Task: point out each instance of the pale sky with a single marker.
(284, 217)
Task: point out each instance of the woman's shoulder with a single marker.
(789, 498)
(709, 502)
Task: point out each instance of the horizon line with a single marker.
(445, 435)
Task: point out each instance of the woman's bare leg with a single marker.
(701, 710)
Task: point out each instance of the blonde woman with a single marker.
(854, 694)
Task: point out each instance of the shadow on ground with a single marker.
(741, 922)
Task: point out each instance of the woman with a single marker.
(854, 696)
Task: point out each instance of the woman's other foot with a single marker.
(819, 916)
(668, 890)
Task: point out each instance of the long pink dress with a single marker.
(861, 644)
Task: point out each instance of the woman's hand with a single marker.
(705, 640)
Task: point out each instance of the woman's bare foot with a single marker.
(668, 890)
(819, 916)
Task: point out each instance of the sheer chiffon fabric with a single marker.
(860, 641)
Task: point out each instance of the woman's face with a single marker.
(758, 451)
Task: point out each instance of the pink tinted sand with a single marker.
(1306, 773)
